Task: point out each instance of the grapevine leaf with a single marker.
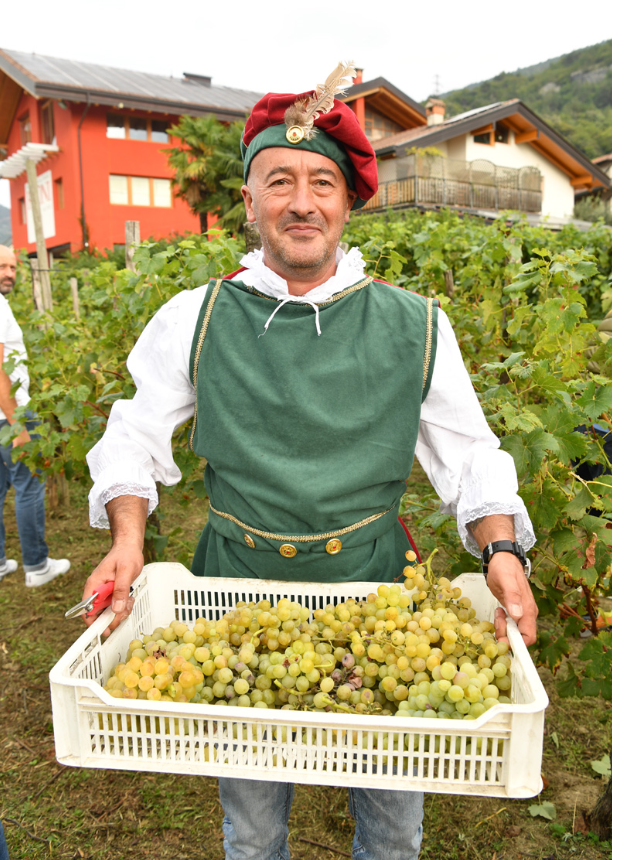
(596, 400)
(599, 656)
(543, 511)
(603, 556)
(597, 687)
(572, 314)
(520, 315)
(590, 577)
(573, 562)
(573, 626)
(576, 508)
(199, 489)
(603, 766)
(435, 520)
(537, 444)
(545, 810)
(571, 446)
(558, 421)
(553, 651)
(570, 685)
(563, 540)
(597, 526)
(522, 282)
(547, 381)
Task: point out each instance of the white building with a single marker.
(495, 158)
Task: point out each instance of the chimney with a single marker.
(435, 111)
(358, 77)
(203, 80)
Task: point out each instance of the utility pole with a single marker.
(42, 256)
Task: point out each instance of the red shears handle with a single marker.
(103, 599)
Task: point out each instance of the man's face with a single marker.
(8, 266)
(301, 202)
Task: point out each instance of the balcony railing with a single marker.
(469, 185)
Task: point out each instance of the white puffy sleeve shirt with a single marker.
(455, 446)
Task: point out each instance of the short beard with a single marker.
(6, 286)
(289, 259)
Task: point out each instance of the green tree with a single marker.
(207, 168)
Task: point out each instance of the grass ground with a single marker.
(49, 811)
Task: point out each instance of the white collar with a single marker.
(350, 270)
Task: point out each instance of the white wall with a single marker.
(558, 196)
(455, 148)
(386, 170)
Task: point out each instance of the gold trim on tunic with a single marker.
(301, 538)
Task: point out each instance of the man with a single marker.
(306, 380)
(29, 489)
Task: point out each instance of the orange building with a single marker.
(98, 135)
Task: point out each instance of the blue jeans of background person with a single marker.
(4, 851)
(29, 506)
(388, 823)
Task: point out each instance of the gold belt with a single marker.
(301, 538)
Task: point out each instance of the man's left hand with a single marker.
(509, 585)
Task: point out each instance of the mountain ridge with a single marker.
(573, 93)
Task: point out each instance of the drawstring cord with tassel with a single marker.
(301, 300)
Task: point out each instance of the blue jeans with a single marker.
(388, 823)
(29, 506)
(4, 851)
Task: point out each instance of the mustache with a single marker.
(310, 220)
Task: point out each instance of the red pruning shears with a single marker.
(96, 603)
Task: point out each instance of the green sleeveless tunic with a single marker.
(308, 440)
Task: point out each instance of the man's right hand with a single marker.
(124, 562)
(122, 565)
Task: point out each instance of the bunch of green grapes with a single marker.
(420, 655)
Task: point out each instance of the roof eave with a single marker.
(17, 72)
(358, 90)
(129, 100)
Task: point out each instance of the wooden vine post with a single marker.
(132, 239)
(40, 242)
(74, 292)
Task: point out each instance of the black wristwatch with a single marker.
(505, 546)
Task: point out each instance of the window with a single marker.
(483, 138)
(48, 123)
(159, 131)
(119, 195)
(122, 127)
(137, 128)
(140, 191)
(162, 192)
(25, 129)
(59, 194)
(22, 206)
(116, 126)
(501, 134)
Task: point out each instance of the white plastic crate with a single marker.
(499, 754)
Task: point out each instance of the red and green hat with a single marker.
(318, 122)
